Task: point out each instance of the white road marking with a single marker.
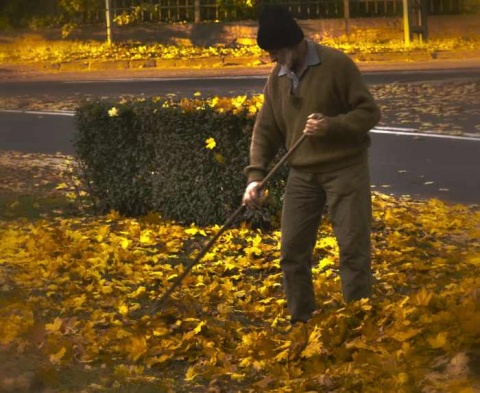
(376, 130)
(429, 134)
(40, 113)
(395, 129)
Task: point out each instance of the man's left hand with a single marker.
(316, 125)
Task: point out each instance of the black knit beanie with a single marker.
(277, 29)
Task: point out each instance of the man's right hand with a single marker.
(317, 125)
(253, 196)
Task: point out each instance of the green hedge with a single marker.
(152, 155)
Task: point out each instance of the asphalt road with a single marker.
(186, 87)
(446, 168)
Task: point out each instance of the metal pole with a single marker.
(108, 17)
(346, 12)
(425, 19)
(406, 22)
(197, 11)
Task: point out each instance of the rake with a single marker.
(157, 305)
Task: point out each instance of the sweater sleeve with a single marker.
(362, 113)
(266, 140)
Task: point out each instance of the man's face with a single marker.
(292, 57)
(283, 56)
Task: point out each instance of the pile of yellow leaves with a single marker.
(78, 290)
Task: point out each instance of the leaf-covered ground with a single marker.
(448, 107)
(32, 48)
(29, 185)
(76, 292)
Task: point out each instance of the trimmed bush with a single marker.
(183, 159)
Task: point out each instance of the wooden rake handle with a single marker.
(159, 303)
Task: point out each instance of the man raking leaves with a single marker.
(316, 91)
(317, 105)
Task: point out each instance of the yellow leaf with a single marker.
(365, 304)
(106, 289)
(113, 112)
(404, 336)
(360, 343)
(123, 309)
(145, 237)
(199, 327)
(402, 378)
(191, 231)
(55, 326)
(325, 262)
(214, 101)
(327, 242)
(229, 265)
(238, 101)
(190, 375)
(422, 297)
(314, 346)
(113, 215)
(282, 355)
(102, 232)
(237, 376)
(474, 260)
(439, 341)
(55, 358)
(124, 242)
(137, 347)
(161, 331)
(158, 359)
(210, 143)
(61, 186)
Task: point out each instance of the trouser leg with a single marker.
(349, 202)
(302, 211)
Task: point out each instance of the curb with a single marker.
(102, 65)
(215, 62)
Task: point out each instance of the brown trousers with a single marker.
(346, 192)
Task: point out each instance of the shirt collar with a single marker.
(311, 58)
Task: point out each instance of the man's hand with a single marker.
(253, 196)
(316, 125)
